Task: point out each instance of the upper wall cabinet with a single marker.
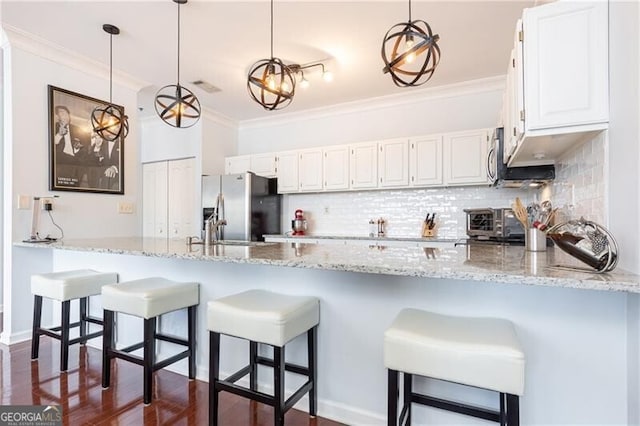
(287, 166)
(237, 164)
(425, 161)
(564, 98)
(465, 157)
(310, 170)
(335, 168)
(393, 163)
(263, 164)
(363, 165)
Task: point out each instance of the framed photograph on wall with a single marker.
(79, 159)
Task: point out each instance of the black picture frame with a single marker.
(79, 160)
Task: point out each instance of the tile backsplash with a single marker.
(404, 210)
(579, 187)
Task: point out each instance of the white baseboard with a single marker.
(332, 410)
(15, 337)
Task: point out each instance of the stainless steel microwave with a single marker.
(498, 224)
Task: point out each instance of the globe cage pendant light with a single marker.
(410, 52)
(270, 82)
(110, 122)
(175, 104)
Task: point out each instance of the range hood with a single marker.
(518, 177)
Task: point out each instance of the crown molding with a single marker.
(28, 42)
(483, 85)
(207, 114)
(219, 118)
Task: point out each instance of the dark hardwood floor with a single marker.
(177, 401)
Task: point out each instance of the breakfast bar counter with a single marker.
(444, 260)
(580, 331)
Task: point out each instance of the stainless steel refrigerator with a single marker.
(248, 203)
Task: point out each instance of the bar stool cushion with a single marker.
(481, 352)
(263, 316)
(149, 297)
(69, 285)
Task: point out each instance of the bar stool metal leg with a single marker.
(191, 333)
(278, 385)
(503, 409)
(405, 416)
(513, 410)
(312, 356)
(253, 365)
(214, 371)
(149, 358)
(64, 336)
(108, 343)
(35, 330)
(392, 398)
(83, 319)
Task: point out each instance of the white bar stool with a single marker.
(274, 319)
(479, 352)
(148, 298)
(66, 286)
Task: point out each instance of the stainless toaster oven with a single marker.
(495, 224)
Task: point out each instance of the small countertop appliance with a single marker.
(298, 223)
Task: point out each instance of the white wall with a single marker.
(27, 73)
(160, 141)
(470, 106)
(219, 140)
(624, 131)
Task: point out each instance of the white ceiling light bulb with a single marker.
(409, 46)
(304, 83)
(285, 87)
(327, 76)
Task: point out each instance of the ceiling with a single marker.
(220, 40)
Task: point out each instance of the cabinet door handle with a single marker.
(412, 178)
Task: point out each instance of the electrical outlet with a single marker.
(24, 202)
(125, 208)
(44, 201)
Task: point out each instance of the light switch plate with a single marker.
(125, 208)
(24, 202)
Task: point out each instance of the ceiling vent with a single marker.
(206, 86)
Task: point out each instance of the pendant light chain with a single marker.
(110, 67)
(271, 29)
(178, 44)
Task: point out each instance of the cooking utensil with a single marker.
(521, 212)
(588, 242)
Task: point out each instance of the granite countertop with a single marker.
(487, 263)
(362, 238)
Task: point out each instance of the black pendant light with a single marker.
(410, 52)
(271, 83)
(110, 122)
(175, 104)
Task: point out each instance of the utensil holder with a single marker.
(426, 232)
(535, 240)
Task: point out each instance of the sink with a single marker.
(244, 243)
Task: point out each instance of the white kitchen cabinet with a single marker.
(263, 164)
(465, 157)
(425, 160)
(237, 164)
(154, 199)
(181, 198)
(335, 168)
(393, 163)
(169, 199)
(565, 90)
(363, 165)
(310, 169)
(287, 172)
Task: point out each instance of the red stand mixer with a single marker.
(299, 223)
